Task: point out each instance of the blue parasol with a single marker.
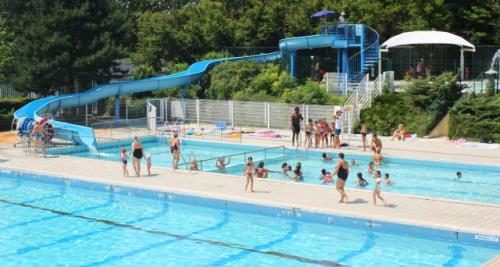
(324, 13)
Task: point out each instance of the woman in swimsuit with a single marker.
(342, 171)
(249, 175)
(175, 149)
(137, 153)
(363, 132)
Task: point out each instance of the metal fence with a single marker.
(439, 58)
(238, 113)
(8, 90)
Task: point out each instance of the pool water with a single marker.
(479, 183)
(50, 222)
(207, 152)
(424, 178)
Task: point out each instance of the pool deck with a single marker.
(448, 214)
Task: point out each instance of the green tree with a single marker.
(5, 50)
(156, 42)
(59, 43)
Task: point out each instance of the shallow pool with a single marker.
(479, 183)
(48, 221)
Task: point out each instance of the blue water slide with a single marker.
(85, 135)
(307, 42)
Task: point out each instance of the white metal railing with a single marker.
(336, 82)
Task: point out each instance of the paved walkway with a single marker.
(452, 215)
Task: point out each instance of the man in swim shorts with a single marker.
(295, 125)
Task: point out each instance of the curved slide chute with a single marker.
(85, 135)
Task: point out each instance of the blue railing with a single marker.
(367, 57)
(343, 31)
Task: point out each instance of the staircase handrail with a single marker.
(370, 46)
(354, 96)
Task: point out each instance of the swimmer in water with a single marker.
(371, 167)
(459, 175)
(387, 180)
(361, 181)
(325, 157)
(326, 177)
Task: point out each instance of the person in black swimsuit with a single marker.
(137, 153)
(175, 149)
(295, 120)
(342, 171)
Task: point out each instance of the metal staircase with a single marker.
(367, 58)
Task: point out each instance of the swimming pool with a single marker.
(479, 183)
(52, 221)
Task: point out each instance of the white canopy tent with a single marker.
(428, 37)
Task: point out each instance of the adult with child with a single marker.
(342, 171)
(137, 154)
(175, 150)
(261, 171)
(295, 120)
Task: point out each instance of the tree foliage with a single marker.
(60, 42)
(476, 117)
(423, 104)
(6, 47)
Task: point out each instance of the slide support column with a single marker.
(345, 62)
(117, 107)
(293, 57)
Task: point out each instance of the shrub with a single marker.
(7, 108)
(476, 117)
(12, 103)
(310, 93)
(391, 109)
(435, 96)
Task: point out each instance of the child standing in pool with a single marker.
(377, 190)
(124, 160)
(249, 167)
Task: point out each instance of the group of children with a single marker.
(124, 156)
(322, 133)
(262, 172)
(326, 177)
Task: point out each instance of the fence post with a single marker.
(231, 112)
(306, 110)
(197, 112)
(268, 116)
